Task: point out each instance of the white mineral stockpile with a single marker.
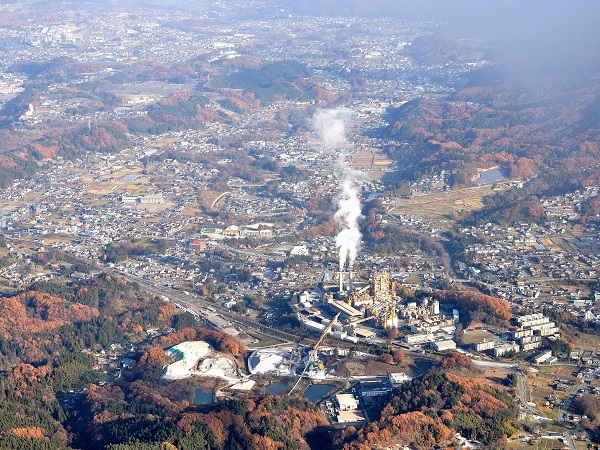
(198, 358)
(271, 361)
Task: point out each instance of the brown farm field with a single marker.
(588, 342)
(536, 444)
(438, 207)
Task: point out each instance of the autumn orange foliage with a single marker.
(34, 312)
(28, 432)
(469, 303)
(223, 342)
(427, 412)
(153, 357)
(455, 359)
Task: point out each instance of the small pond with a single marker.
(275, 388)
(489, 176)
(316, 392)
(202, 397)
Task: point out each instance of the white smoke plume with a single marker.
(331, 125)
(347, 215)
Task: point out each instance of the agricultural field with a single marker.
(537, 444)
(438, 207)
(588, 342)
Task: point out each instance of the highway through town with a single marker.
(221, 318)
(202, 308)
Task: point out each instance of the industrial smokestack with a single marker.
(341, 281)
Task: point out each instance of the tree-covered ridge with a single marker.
(46, 336)
(68, 142)
(116, 252)
(476, 307)
(136, 416)
(463, 134)
(528, 112)
(33, 312)
(33, 326)
(113, 296)
(278, 79)
(426, 412)
(180, 111)
(30, 414)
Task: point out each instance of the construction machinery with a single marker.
(312, 363)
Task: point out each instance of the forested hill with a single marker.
(532, 108)
(428, 411)
(270, 81)
(234, 86)
(527, 119)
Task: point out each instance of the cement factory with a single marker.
(356, 311)
(365, 308)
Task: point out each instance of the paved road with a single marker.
(212, 206)
(238, 251)
(562, 412)
(521, 384)
(498, 365)
(567, 403)
(570, 441)
(198, 305)
(514, 368)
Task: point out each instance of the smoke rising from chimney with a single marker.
(347, 215)
(331, 125)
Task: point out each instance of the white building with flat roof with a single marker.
(445, 345)
(398, 378)
(543, 357)
(346, 402)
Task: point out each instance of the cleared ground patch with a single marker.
(556, 371)
(470, 337)
(372, 163)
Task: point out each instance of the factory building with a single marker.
(346, 402)
(374, 388)
(398, 378)
(441, 346)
